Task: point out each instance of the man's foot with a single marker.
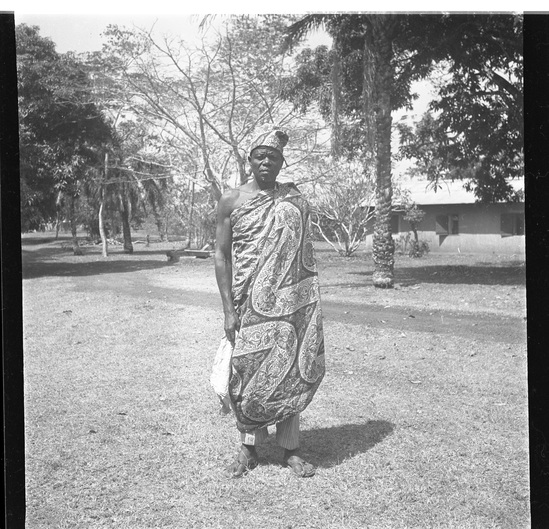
(245, 461)
(299, 466)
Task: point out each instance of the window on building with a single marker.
(512, 224)
(441, 225)
(394, 223)
(454, 224)
(447, 224)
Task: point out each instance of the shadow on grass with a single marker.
(34, 241)
(41, 258)
(33, 269)
(328, 447)
(512, 273)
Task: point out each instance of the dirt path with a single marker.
(477, 327)
(483, 327)
(191, 283)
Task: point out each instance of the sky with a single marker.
(79, 32)
(82, 33)
(77, 26)
(96, 13)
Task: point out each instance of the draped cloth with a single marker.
(278, 358)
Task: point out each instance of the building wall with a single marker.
(479, 229)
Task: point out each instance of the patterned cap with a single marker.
(276, 138)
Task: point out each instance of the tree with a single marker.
(380, 57)
(414, 215)
(62, 132)
(199, 107)
(379, 73)
(139, 172)
(140, 178)
(368, 45)
(474, 130)
(35, 55)
(207, 100)
(340, 206)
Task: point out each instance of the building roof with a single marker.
(448, 192)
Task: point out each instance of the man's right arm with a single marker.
(223, 263)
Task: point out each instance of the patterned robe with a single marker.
(278, 359)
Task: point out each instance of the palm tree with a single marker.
(377, 32)
(377, 87)
(399, 49)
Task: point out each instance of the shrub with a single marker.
(418, 248)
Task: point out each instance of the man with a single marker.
(267, 278)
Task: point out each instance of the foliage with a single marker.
(311, 82)
(194, 109)
(418, 248)
(476, 132)
(413, 215)
(174, 116)
(378, 57)
(202, 103)
(374, 61)
(340, 208)
(406, 244)
(140, 180)
(202, 228)
(62, 131)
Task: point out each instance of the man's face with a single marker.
(266, 163)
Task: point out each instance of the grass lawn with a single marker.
(421, 421)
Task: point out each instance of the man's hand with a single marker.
(232, 325)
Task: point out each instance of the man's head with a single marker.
(267, 156)
(266, 163)
(276, 138)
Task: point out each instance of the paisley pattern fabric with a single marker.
(278, 359)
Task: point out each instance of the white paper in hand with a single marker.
(221, 374)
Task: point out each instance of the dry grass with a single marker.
(420, 422)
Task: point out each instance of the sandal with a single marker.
(300, 467)
(240, 466)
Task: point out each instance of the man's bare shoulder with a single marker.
(228, 199)
(230, 195)
(233, 198)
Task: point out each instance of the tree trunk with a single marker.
(191, 208)
(413, 225)
(58, 208)
(57, 224)
(383, 245)
(159, 222)
(215, 188)
(75, 247)
(241, 164)
(336, 99)
(167, 227)
(114, 225)
(126, 230)
(104, 243)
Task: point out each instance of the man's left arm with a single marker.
(224, 267)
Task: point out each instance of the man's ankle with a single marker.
(249, 450)
(289, 453)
